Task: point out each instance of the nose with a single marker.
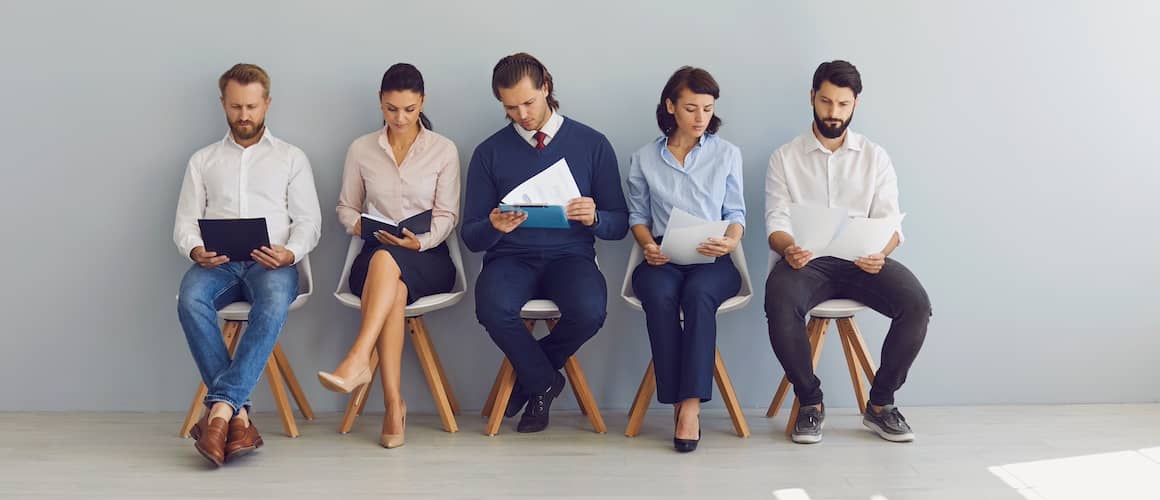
(523, 110)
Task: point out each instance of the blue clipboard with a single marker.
(540, 216)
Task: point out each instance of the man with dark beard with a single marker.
(831, 166)
(249, 173)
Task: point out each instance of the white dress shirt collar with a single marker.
(550, 128)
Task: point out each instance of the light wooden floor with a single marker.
(1036, 452)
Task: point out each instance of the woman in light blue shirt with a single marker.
(692, 169)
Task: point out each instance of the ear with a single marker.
(670, 107)
(813, 93)
(544, 87)
(269, 100)
(422, 100)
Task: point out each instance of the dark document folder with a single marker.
(234, 238)
(419, 223)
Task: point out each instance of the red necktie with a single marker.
(540, 136)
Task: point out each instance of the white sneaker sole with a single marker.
(897, 438)
(806, 438)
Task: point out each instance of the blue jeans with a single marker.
(205, 291)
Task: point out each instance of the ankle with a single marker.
(221, 410)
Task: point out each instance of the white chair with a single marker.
(858, 359)
(648, 384)
(425, 350)
(278, 371)
(501, 390)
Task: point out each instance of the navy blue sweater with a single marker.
(505, 160)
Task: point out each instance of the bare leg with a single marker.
(689, 419)
(379, 298)
(390, 344)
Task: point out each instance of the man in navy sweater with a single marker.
(525, 263)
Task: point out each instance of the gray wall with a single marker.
(1023, 134)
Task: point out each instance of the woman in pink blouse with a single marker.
(397, 172)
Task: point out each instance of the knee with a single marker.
(588, 314)
(916, 307)
(383, 262)
(695, 299)
(495, 314)
(656, 298)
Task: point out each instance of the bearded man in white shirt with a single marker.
(247, 174)
(832, 166)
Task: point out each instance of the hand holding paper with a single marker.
(828, 232)
(686, 233)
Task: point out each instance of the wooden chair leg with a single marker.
(197, 406)
(358, 398)
(644, 394)
(507, 380)
(729, 396)
(584, 394)
(783, 387)
(439, 365)
(819, 340)
(852, 365)
(281, 402)
(292, 382)
(435, 383)
(860, 349)
(486, 412)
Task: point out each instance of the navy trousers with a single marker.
(684, 354)
(573, 282)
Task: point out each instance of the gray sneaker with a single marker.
(807, 429)
(889, 424)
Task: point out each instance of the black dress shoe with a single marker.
(535, 418)
(516, 402)
(687, 445)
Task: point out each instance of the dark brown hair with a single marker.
(698, 81)
(840, 73)
(511, 69)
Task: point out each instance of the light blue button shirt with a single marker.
(709, 186)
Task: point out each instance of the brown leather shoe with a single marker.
(242, 439)
(212, 441)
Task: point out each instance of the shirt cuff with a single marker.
(298, 250)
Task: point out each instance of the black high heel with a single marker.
(685, 445)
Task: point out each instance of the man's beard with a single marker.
(239, 134)
(831, 132)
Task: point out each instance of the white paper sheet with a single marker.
(814, 226)
(554, 186)
(685, 232)
(862, 237)
(830, 232)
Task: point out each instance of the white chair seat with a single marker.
(540, 309)
(837, 308)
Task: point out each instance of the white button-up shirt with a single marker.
(858, 177)
(550, 128)
(270, 179)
